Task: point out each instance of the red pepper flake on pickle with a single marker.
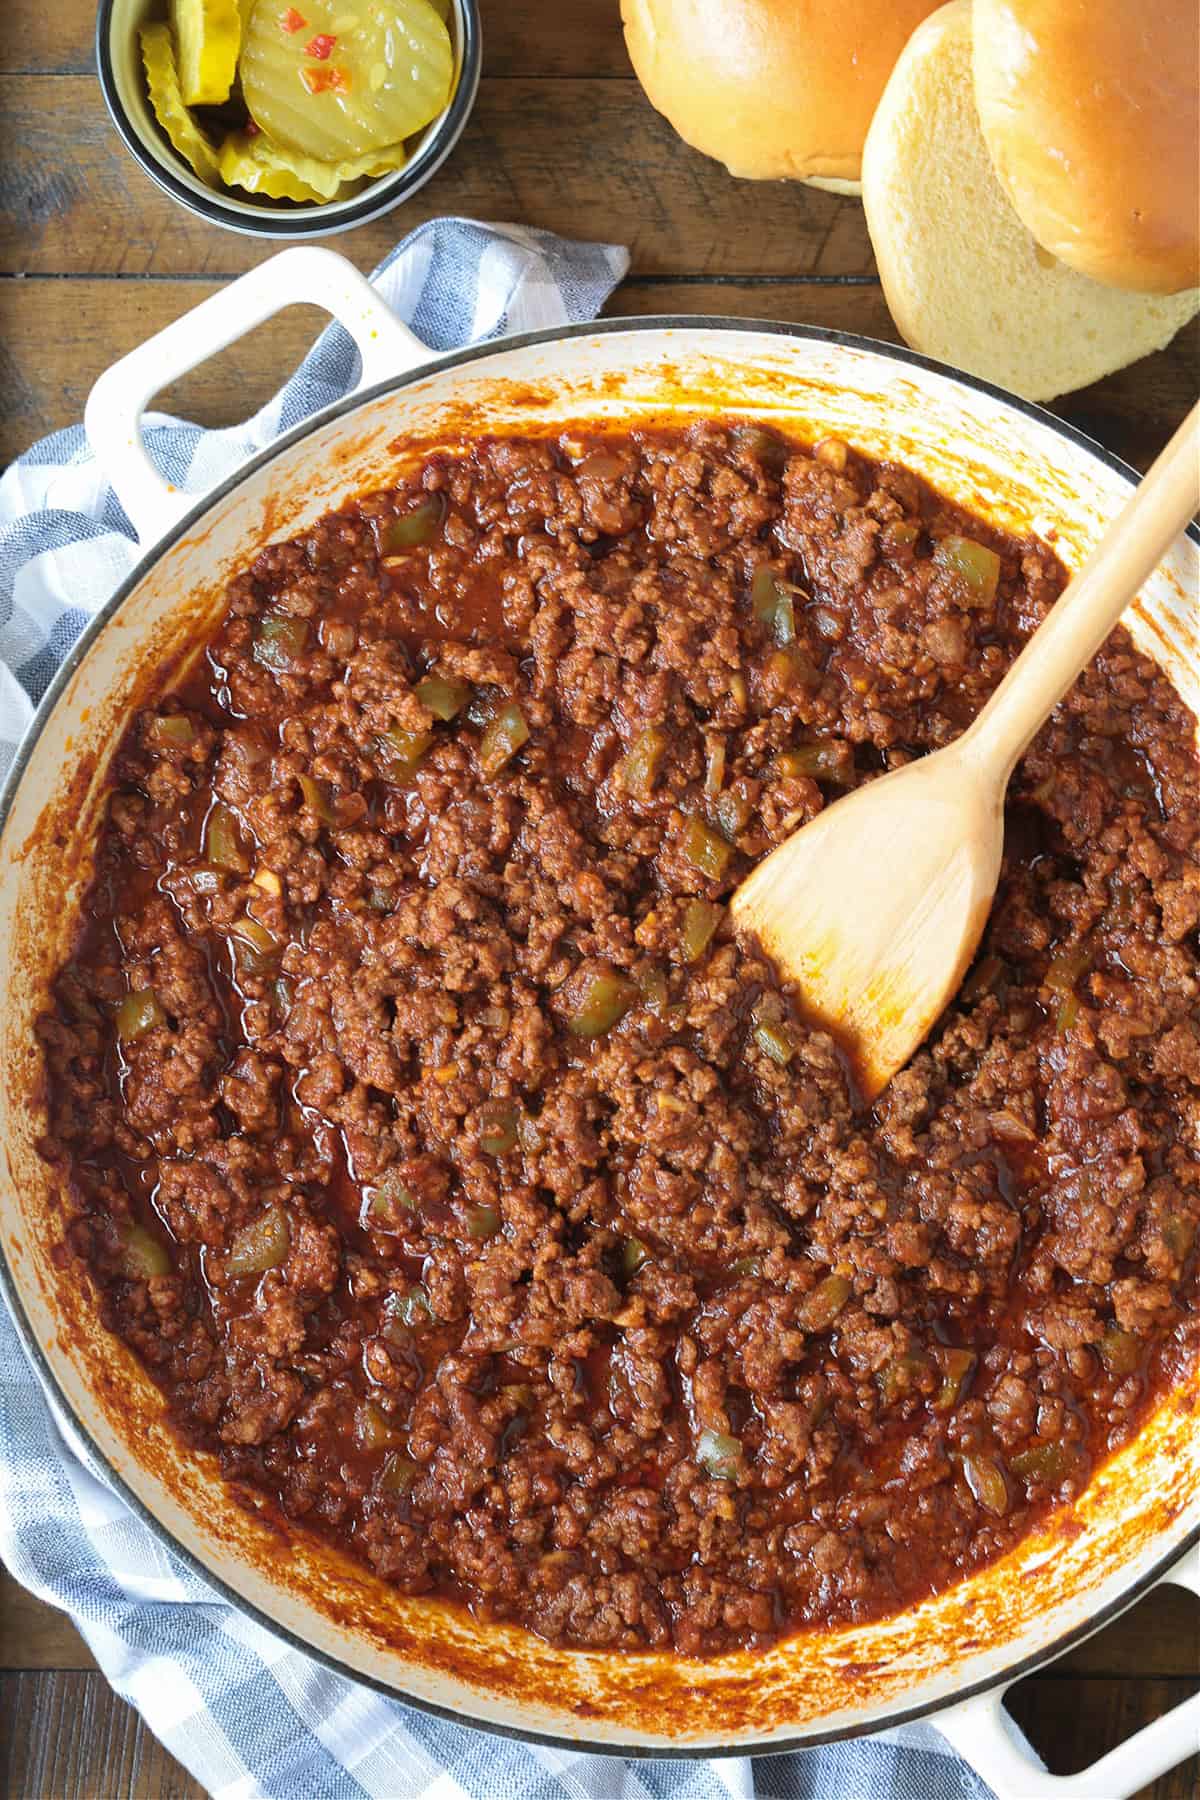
(326, 80)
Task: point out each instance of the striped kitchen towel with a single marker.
(245, 1712)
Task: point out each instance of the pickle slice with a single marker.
(208, 36)
(252, 161)
(353, 76)
(166, 99)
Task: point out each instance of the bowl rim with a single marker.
(734, 327)
(310, 219)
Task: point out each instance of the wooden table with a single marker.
(93, 259)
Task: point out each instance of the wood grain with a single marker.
(1073, 1724)
(66, 1736)
(552, 153)
(1070, 1724)
(57, 335)
(36, 1636)
(91, 323)
(520, 37)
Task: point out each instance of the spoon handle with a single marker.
(1090, 605)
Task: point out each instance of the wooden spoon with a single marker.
(875, 909)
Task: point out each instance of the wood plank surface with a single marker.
(36, 1636)
(66, 1736)
(520, 37)
(1074, 1723)
(92, 322)
(550, 153)
(93, 260)
(57, 335)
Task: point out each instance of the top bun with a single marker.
(1089, 109)
(774, 89)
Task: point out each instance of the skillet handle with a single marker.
(984, 1736)
(304, 275)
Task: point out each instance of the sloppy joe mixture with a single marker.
(476, 1197)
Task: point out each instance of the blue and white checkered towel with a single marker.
(248, 1715)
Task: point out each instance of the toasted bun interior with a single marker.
(965, 280)
(771, 88)
(1091, 112)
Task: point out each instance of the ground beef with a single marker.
(475, 1196)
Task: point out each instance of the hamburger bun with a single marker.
(774, 89)
(1091, 112)
(965, 280)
